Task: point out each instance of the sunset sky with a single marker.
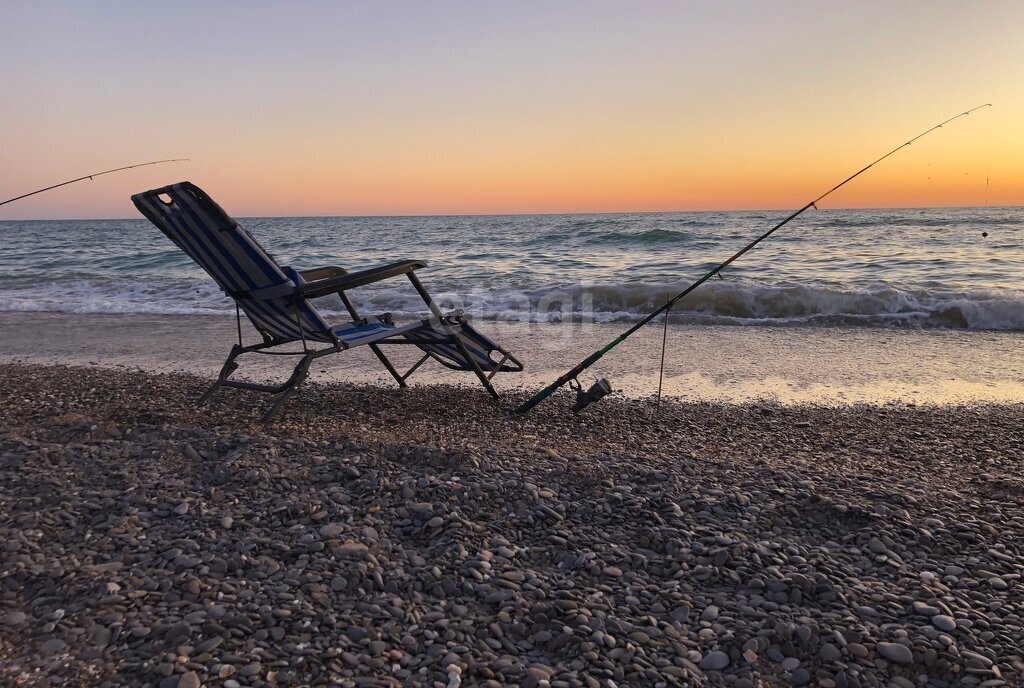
(381, 108)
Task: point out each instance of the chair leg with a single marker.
(387, 364)
(298, 377)
(484, 380)
(350, 307)
(225, 372)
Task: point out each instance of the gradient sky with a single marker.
(370, 108)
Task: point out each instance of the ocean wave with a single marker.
(924, 221)
(611, 238)
(716, 302)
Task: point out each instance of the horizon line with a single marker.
(540, 214)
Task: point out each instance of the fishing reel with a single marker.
(599, 390)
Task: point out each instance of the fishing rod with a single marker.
(90, 176)
(602, 387)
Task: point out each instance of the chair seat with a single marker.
(356, 335)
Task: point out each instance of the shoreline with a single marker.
(792, 365)
(426, 537)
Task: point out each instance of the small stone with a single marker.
(680, 614)
(177, 633)
(249, 670)
(714, 661)
(189, 679)
(944, 623)
(331, 531)
(181, 509)
(613, 571)
(790, 663)
(352, 549)
(15, 618)
(53, 646)
(857, 650)
(227, 522)
(422, 509)
(710, 613)
(895, 652)
(829, 653)
(435, 522)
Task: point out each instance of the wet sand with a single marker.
(734, 364)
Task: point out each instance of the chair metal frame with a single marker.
(326, 281)
(449, 324)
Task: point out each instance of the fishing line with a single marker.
(90, 176)
(661, 369)
(596, 356)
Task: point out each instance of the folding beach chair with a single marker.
(278, 300)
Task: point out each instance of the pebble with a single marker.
(15, 618)
(895, 652)
(926, 609)
(331, 531)
(714, 661)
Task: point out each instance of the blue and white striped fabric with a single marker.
(437, 342)
(354, 335)
(243, 269)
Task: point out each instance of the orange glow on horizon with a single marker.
(532, 109)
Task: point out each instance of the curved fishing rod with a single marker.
(90, 176)
(594, 357)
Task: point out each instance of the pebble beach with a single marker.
(427, 537)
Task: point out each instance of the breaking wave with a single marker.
(713, 303)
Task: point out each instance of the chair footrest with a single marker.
(437, 342)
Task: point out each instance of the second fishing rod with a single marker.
(602, 387)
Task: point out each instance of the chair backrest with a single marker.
(234, 259)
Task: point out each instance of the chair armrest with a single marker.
(332, 285)
(322, 273)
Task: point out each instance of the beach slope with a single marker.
(428, 537)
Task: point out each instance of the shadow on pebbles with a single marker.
(430, 538)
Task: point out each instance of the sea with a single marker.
(900, 304)
(959, 268)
